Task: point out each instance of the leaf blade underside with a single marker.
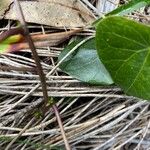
(84, 64)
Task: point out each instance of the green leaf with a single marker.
(84, 64)
(7, 45)
(124, 47)
(12, 39)
(4, 48)
(127, 8)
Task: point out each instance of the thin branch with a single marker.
(40, 72)
(61, 127)
(20, 133)
(33, 49)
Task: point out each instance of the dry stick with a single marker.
(143, 136)
(61, 127)
(39, 40)
(47, 75)
(33, 49)
(37, 86)
(126, 127)
(40, 72)
(20, 133)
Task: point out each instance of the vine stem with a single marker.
(40, 72)
(33, 49)
(61, 127)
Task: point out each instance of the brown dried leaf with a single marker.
(68, 13)
(4, 7)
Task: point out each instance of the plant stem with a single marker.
(33, 49)
(61, 127)
(40, 72)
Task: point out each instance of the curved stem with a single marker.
(61, 127)
(33, 49)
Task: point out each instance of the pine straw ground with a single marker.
(98, 118)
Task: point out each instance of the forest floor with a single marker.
(94, 117)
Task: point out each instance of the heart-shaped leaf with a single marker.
(124, 47)
(84, 64)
